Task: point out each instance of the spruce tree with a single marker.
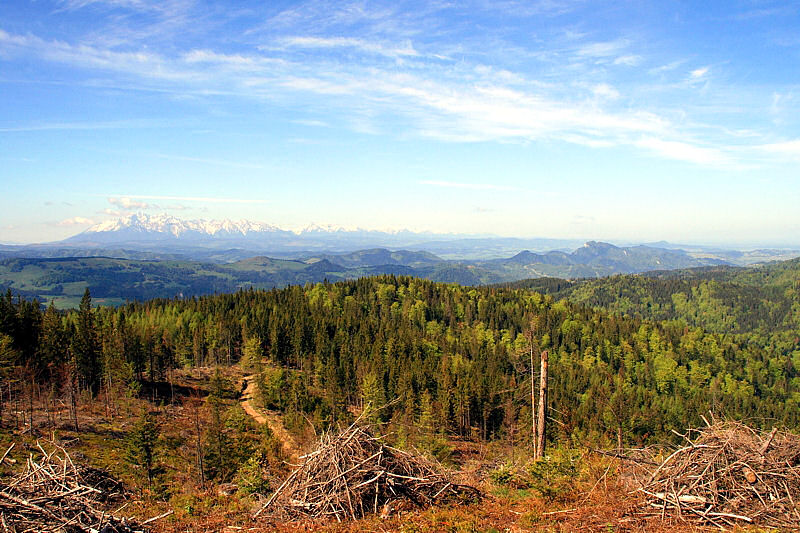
(85, 347)
(142, 443)
(52, 341)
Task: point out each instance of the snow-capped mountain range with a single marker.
(169, 224)
(145, 231)
(154, 237)
(176, 227)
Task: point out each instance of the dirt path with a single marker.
(270, 418)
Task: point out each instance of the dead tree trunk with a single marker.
(541, 423)
(30, 400)
(73, 398)
(533, 401)
(196, 402)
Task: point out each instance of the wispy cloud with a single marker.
(402, 50)
(790, 149)
(668, 67)
(602, 49)
(469, 186)
(781, 11)
(312, 123)
(481, 107)
(683, 151)
(143, 63)
(629, 60)
(87, 126)
(138, 5)
(378, 74)
(478, 105)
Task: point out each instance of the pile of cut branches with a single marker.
(353, 473)
(728, 474)
(53, 494)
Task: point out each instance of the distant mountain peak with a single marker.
(159, 231)
(599, 244)
(171, 225)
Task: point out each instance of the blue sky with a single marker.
(626, 121)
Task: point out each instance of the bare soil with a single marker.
(270, 418)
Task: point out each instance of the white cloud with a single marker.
(789, 149)
(628, 60)
(683, 151)
(456, 103)
(145, 64)
(667, 67)
(127, 203)
(602, 49)
(403, 50)
(200, 58)
(312, 123)
(604, 90)
(75, 221)
(138, 5)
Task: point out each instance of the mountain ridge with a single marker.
(143, 224)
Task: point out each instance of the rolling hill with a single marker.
(723, 299)
(114, 280)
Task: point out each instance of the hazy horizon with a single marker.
(731, 245)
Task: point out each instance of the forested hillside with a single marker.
(763, 300)
(115, 279)
(443, 356)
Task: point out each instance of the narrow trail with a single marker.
(270, 418)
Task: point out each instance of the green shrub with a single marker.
(552, 477)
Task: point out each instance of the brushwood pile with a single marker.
(728, 474)
(53, 494)
(353, 473)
